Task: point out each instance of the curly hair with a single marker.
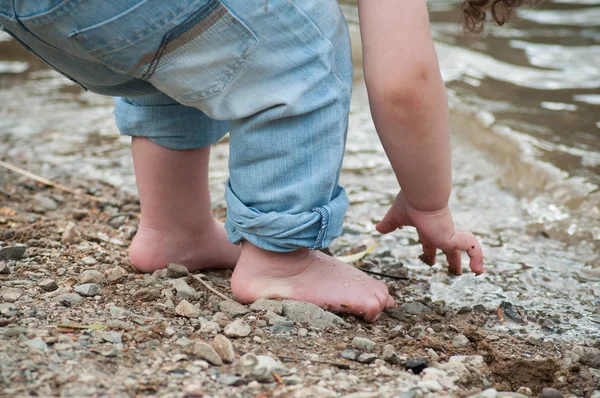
(475, 11)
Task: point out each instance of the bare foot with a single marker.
(153, 249)
(308, 276)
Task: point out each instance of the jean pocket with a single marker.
(189, 51)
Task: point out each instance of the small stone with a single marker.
(291, 380)
(210, 327)
(70, 234)
(204, 351)
(489, 393)
(89, 260)
(118, 312)
(430, 385)
(145, 294)
(12, 253)
(238, 328)
(526, 391)
(13, 331)
(48, 285)
(349, 354)
(184, 291)
(69, 299)
(224, 348)
(8, 309)
(160, 273)
(534, 339)
(390, 355)
(44, 202)
(221, 318)
(395, 332)
(79, 214)
(414, 308)
(257, 339)
(187, 309)
(37, 344)
(88, 289)
(588, 356)
(510, 394)
(112, 337)
(595, 394)
(233, 309)
(366, 357)
(302, 332)
(260, 367)
(310, 314)
(177, 271)
(115, 274)
(264, 305)
(4, 268)
(92, 276)
(230, 380)
(460, 341)
(277, 320)
(416, 365)
(550, 393)
(363, 343)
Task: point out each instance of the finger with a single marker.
(466, 241)
(454, 262)
(392, 220)
(429, 250)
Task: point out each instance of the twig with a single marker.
(206, 285)
(338, 364)
(400, 278)
(45, 181)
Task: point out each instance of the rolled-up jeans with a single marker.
(275, 74)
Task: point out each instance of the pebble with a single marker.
(112, 337)
(177, 271)
(88, 289)
(118, 312)
(37, 344)
(13, 253)
(395, 332)
(145, 294)
(264, 305)
(534, 339)
(70, 234)
(224, 348)
(414, 308)
(366, 357)
(238, 328)
(277, 320)
(509, 394)
(310, 314)
(8, 309)
(390, 355)
(204, 351)
(221, 318)
(210, 327)
(460, 341)
(92, 276)
(13, 331)
(302, 332)
(4, 268)
(48, 285)
(349, 354)
(550, 393)
(233, 309)
(595, 394)
(363, 343)
(526, 391)
(89, 260)
(587, 355)
(489, 393)
(416, 365)
(115, 274)
(160, 273)
(69, 298)
(184, 291)
(187, 309)
(430, 385)
(230, 380)
(44, 202)
(260, 368)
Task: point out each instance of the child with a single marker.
(277, 75)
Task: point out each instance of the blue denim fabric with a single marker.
(276, 73)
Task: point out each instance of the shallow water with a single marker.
(526, 123)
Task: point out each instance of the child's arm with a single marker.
(410, 110)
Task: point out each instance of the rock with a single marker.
(89, 261)
(489, 393)
(92, 276)
(314, 391)
(527, 392)
(187, 309)
(204, 351)
(277, 320)
(69, 299)
(349, 354)
(4, 268)
(460, 341)
(112, 337)
(8, 309)
(146, 294)
(220, 318)
(118, 312)
(390, 355)
(292, 380)
(264, 305)
(224, 348)
(238, 328)
(12, 253)
(70, 234)
(395, 332)
(417, 332)
(229, 380)
(550, 393)
(509, 394)
(587, 355)
(366, 357)
(260, 368)
(184, 291)
(48, 285)
(210, 327)
(310, 314)
(595, 394)
(160, 273)
(414, 308)
(302, 332)
(10, 294)
(534, 339)
(233, 309)
(430, 385)
(44, 202)
(363, 343)
(37, 344)
(115, 274)
(416, 365)
(88, 289)
(13, 331)
(177, 271)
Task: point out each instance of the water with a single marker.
(525, 106)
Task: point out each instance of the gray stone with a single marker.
(13, 331)
(48, 285)
(595, 394)
(509, 394)
(115, 274)
(44, 202)
(349, 354)
(88, 289)
(527, 391)
(489, 393)
(310, 314)
(390, 355)
(534, 339)
(230, 380)
(395, 332)
(302, 332)
(177, 271)
(10, 294)
(184, 291)
(69, 299)
(89, 260)
(37, 344)
(204, 351)
(260, 368)
(160, 273)
(112, 337)
(363, 343)
(265, 305)
(187, 309)
(210, 327)
(4, 268)
(233, 309)
(416, 365)
(417, 332)
(414, 308)
(587, 355)
(238, 328)
(277, 320)
(551, 393)
(118, 312)
(460, 341)
(224, 348)
(291, 380)
(70, 234)
(8, 309)
(366, 357)
(13, 253)
(92, 276)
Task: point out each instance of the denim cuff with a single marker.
(285, 232)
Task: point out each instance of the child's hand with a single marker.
(436, 231)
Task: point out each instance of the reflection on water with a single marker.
(526, 123)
